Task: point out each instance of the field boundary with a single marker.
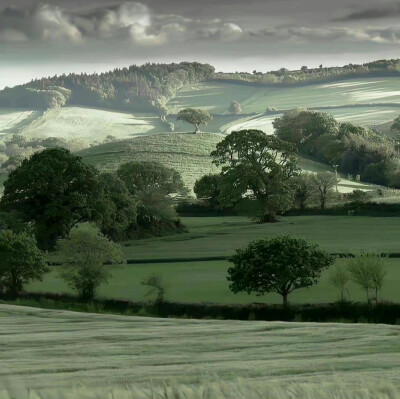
(343, 312)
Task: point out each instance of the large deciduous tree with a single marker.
(53, 189)
(260, 164)
(20, 261)
(281, 265)
(195, 117)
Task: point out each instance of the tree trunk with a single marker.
(197, 128)
(285, 299)
(323, 203)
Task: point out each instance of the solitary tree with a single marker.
(253, 161)
(84, 254)
(324, 183)
(281, 265)
(20, 261)
(208, 188)
(54, 189)
(195, 117)
(340, 277)
(235, 108)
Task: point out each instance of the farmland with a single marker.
(195, 280)
(216, 97)
(104, 352)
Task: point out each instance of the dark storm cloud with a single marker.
(384, 11)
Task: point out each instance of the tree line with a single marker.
(140, 88)
(305, 75)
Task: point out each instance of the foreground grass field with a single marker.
(215, 359)
(205, 281)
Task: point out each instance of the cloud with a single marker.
(388, 11)
(390, 35)
(130, 21)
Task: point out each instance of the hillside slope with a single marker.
(63, 349)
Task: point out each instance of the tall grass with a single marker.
(221, 390)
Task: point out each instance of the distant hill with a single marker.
(149, 87)
(305, 75)
(137, 88)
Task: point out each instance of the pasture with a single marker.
(9, 118)
(197, 280)
(91, 124)
(217, 96)
(96, 354)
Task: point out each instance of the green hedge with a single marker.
(386, 313)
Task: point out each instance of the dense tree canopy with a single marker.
(144, 88)
(53, 189)
(208, 188)
(281, 265)
(253, 161)
(355, 149)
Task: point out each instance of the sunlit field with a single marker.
(217, 96)
(99, 353)
(90, 124)
(9, 118)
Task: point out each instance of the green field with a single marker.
(98, 353)
(217, 96)
(9, 118)
(205, 281)
(91, 124)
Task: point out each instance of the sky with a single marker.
(47, 37)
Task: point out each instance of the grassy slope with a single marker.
(64, 349)
(185, 152)
(91, 124)
(217, 96)
(206, 281)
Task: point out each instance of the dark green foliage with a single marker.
(195, 117)
(53, 189)
(141, 88)
(140, 176)
(304, 189)
(282, 265)
(208, 188)
(387, 313)
(20, 261)
(115, 210)
(153, 187)
(252, 160)
(355, 149)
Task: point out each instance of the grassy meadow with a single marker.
(217, 96)
(96, 353)
(196, 280)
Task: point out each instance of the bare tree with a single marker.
(340, 277)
